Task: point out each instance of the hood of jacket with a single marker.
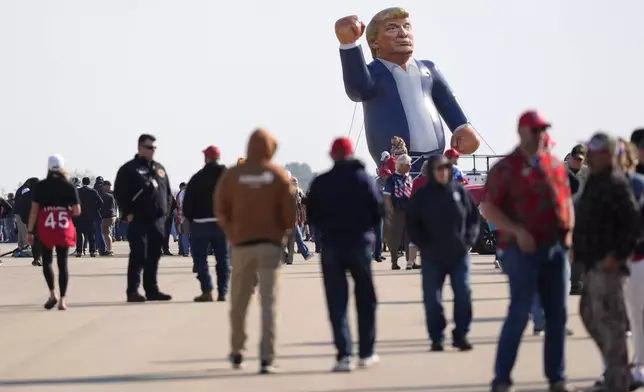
(261, 146)
(431, 179)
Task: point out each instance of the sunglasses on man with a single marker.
(149, 147)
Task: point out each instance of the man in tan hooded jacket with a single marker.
(254, 206)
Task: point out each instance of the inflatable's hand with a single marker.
(349, 29)
(465, 140)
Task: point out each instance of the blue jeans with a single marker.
(100, 241)
(184, 244)
(204, 235)
(336, 260)
(121, 230)
(433, 274)
(536, 310)
(544, 272)
(8, 227)
(377, 251)
(301, 246)
(173, 231)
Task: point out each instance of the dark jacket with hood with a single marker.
(442, 220)
(24, 197)
(345, 205)
(253, 201)
(198, 204)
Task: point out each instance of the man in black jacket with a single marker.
(198, 209)
(91, 204)
(108, 215)
(443, 222)
(22, 207)
(141, 190)
(606, 232)
(344, 205)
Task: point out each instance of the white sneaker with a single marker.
(344, 365)
(369, 361)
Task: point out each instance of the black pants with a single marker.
(146, 240)
(36, 249)
(85, 228)
(48, 270)
(167, 230)
(336, 261)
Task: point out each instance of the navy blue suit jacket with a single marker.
(384, 116)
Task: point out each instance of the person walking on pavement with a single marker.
(55, 200)
(108, 215)
(22, 206)
(167, 225)
(527, 197)
(198, 209)
(141, 190)
(255, 208)
(605, 237)
(443, 222)
(91, 205)
(345, 205)
(182, 223)
(98, 223)
(397, 192)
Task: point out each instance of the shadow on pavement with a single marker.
(73, 305)
(388, 343)
(207, 374)
(518, 387)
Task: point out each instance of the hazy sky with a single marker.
(84, 78)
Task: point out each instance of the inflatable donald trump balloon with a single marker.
(401, 95)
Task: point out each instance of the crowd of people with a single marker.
(550, 215)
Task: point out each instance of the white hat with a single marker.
(384, 155)
(55, 162)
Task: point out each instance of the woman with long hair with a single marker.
(55, 202)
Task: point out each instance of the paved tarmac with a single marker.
(104, 344)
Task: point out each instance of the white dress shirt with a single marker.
(419, 109)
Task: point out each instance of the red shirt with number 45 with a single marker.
(55, 227)
(55, 196)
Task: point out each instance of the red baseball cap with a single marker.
(341, 148)
(451, 153)
(212, 152)
(533, 119)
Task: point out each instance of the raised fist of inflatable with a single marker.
(349, 29)
(465, 140)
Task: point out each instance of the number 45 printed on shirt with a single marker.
(56, 219)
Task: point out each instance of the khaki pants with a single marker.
(397, 234)
(22, 232)
(107, 225)
(247, 264)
